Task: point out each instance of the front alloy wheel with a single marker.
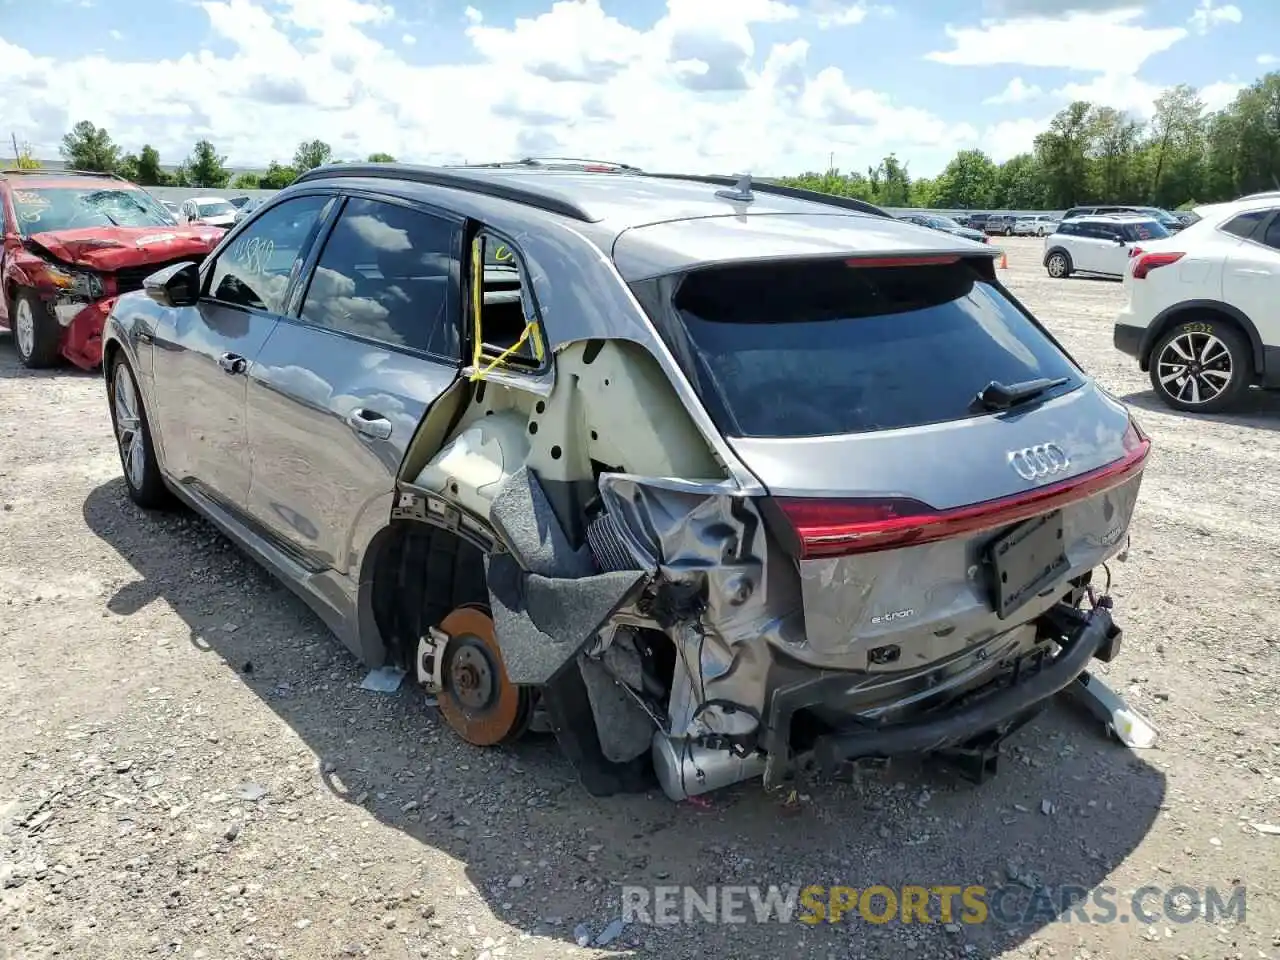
(1058, 266)
(133, 437)
(1200, 367)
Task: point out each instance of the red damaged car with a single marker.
(73, 242)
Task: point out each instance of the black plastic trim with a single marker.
(1128, 339)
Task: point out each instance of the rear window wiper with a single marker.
(1005, 396)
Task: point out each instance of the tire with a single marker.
(1216, 349)
(133, 439)
(36, 334)
(1058, 264)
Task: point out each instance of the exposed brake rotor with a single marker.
(477, 697)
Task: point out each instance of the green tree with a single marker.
(1063, 154)
(27, 158)
(148, 164)
(128, 167)
(88, 147)
(204, 168)
(1176, 145)
(246, 181)
(277, 177)
(1112, 142)
(381, 158)
(1020, 185)
(311, 154)
(969, 182)
(890, 183)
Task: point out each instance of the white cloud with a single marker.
(1123, 91)
(1016, 91)
(1079, 40)
(408, 39)
(115, 34)
(1267, 59)
(691, 91)
(1207, 16)
(1220, 94)
(840, 13)
(1012, 137)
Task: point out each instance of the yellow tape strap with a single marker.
(477, 299)
(481, 372)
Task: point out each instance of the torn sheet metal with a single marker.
(548, 598)
(722, 594)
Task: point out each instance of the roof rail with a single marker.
(561, 163)
(765, 186)
(68, 172)
(501, 188)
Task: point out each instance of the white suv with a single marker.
(1203, 311)
(1098, 244)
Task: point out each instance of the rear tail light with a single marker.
(834, 528)
(1150, 261)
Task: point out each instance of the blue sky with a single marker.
(694, 84)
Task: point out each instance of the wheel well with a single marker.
(421, 573)
(109, 351)
(1202, 313)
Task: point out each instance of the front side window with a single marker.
(387, 273)
(507, 332)
(255, 270)
(41, 209)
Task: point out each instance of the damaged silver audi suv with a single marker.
(711, 479)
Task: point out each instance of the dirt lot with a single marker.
(188, 766)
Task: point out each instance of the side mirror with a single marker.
(1120, 241)
(174, 286)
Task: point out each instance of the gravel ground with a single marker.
(188, 766)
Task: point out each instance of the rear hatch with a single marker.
(850, 388)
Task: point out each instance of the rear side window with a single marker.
(386, 273)
(1271, 236)
(824, 347)
(1245, 224)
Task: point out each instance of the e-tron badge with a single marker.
(1040, 462)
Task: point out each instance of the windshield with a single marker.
(944, 223)
(41, 209)
(823, 348)
(217, 208)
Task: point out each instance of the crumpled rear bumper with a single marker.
(1084, 636)
(82, 325)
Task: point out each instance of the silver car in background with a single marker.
(1040, 225)
(709, 478)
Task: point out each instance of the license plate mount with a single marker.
(1026, 561)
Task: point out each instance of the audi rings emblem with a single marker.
(1038, 462)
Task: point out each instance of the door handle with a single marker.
(233, 363)
(369, 423)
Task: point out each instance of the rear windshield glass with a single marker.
(68, 208)
(822, 348)
(1146, 230)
